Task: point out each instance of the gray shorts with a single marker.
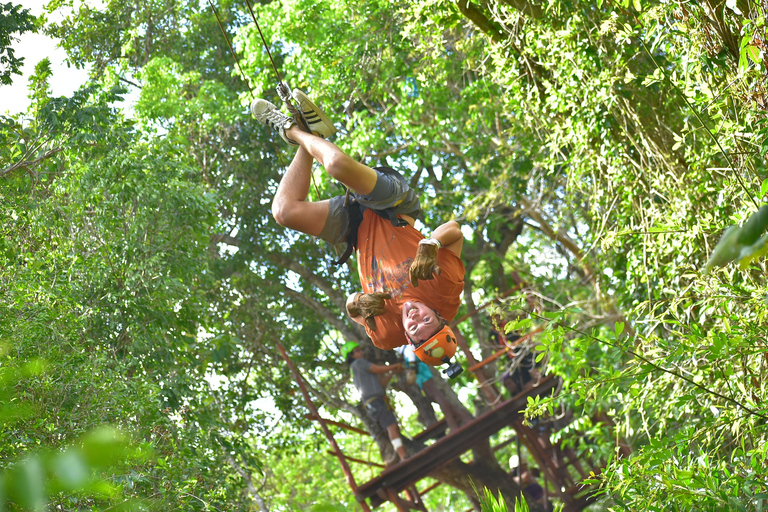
(390, 191)
(378, 411)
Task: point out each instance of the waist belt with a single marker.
(369, 401)
(355, 214)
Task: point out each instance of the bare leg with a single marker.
(290, 207)
(337, 164)
(394, 433)
(450, 236)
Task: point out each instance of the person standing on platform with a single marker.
(370, 380)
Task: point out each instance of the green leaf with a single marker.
(754, 226)
(27, 484)
(726, 249)
(750, 253)
(743, 61)
(71, 469)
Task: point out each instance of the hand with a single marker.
(425, 265)
(369, 305)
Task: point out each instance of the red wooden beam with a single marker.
(359, 461)
(421, 464)
(338, 424)
(344, 466)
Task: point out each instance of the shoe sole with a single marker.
(258, 108)
(313, 114)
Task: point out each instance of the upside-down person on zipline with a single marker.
(392, 256)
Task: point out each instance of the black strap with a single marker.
(392, 217)
(355, 213)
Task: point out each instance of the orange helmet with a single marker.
(438, 349)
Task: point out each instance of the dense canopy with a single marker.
(594, 153)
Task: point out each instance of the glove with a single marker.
(369, 305)
(425, 265)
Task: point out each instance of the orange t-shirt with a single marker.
(384, 256)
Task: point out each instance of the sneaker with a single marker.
(319, 123)
(265, 112)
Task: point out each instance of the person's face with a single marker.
(419, 320)
(357, 353)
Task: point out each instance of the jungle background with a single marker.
(593, 151)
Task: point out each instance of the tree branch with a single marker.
(334, 295)
(349, 333)
(29, 163)
(248, 481)
(527, 8)
(471, 12)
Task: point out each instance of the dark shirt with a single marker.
(366, 382)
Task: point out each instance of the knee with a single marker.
(281, 212)
(336, 163)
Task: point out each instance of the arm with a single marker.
(385, 368)
(424, 266)
(450, 237)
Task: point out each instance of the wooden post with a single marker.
(328, 434)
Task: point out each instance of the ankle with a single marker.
(293, 131)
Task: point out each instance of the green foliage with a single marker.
(13, 21)
(744, 243)
(594, 151)
(490, 503)
(78, 471)
(104, 251)
(84, 470)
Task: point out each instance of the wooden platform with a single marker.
(405, 474)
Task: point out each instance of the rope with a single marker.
(237, 61)
(264, 42)
(283, 90)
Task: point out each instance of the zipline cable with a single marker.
(264, 42)
(232, 51)
(282, 89)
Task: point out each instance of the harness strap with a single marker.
(355, 213)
